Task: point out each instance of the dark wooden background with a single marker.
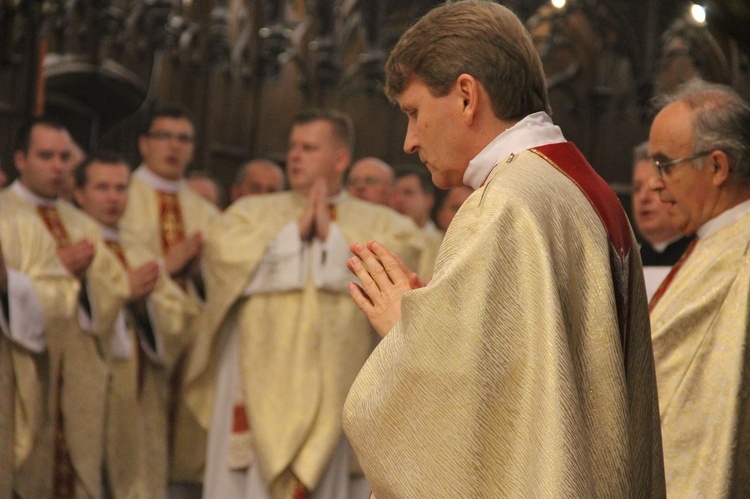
(245, 67)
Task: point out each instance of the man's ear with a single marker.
(142, 145)
(467, 88)
(719, 162)
(343, 158)
(78, 196)
(19, 160)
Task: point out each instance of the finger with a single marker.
(368, 285)
(396, 270)
(373, 266)
(360, 299)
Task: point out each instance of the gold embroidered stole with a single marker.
(64, 475)
(670, 276)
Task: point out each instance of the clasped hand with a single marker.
(316, 219)
(385, 279)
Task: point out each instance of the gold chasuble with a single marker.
(154, 221)
(24, 374)
(299, 350)
(524, 368)
(78, 356)
(137, 399)
(700, 330)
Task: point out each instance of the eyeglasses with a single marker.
(663, 167)
(369, 181)
(182, 138)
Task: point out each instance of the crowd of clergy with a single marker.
(156, 343)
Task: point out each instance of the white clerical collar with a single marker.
(430, 228)
(727, 218)
(25, 193)
(108, 233)
(156, 182)
(660, 247)
(337, 198)
(534, 130)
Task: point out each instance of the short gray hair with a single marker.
(721, 121)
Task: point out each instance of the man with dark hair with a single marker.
(700, 146)
(166, 220)
(136, 443)
(281, 339)
(452, 202)
(524, 368)
(65, 457)
(35, 289)
(414, 196)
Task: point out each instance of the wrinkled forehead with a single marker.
(672, 129)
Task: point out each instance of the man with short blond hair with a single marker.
(279, 325)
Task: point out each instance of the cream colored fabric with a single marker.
(506, 376)
(140, 232)
(23, 374)
(432, 241)
(299, 350)
(84, 355)
(700, 329)
(137, 420)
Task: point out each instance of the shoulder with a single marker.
(194, 202)
(253, 206)
(77, 218)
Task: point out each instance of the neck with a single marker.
(731, 197)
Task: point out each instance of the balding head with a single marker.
(259, 176)
(371, 179)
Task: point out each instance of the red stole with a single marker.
(63, 474)
(567, 159)
(670, 277)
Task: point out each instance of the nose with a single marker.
(292, 153)
(656, 183)
(411, 144)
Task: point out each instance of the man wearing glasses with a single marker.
(165, 219)
(700, 147)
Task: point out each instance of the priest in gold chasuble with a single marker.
(166, 221)
(67, 457)
(700, 315)
(39, 292)
(524, 367)
(283, 341)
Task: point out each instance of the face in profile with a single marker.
(651, 215)
(441, 148)
(688, 191)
